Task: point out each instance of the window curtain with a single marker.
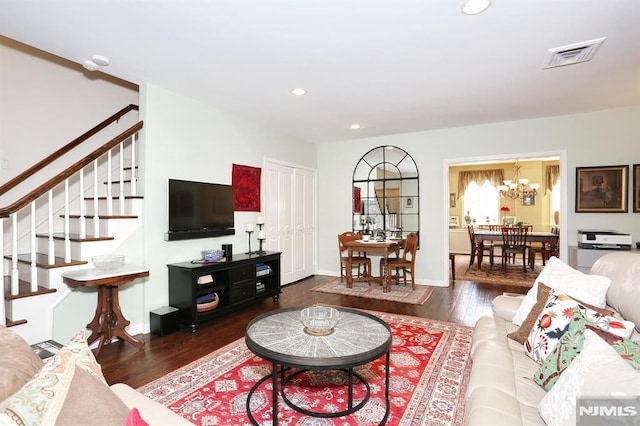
(551, 176)
(495, 176)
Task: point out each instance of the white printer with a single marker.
(606, 240)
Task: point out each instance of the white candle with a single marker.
(261, 235)
(249, 227)
(260, 220)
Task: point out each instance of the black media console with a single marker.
(244, 279)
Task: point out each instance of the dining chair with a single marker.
(514, 242)
(546, 250)
(359, 260)
(404, 264)
(478, 249)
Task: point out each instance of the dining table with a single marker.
(372, 247)
(543, 237)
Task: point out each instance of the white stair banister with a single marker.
(83, 219)
(96, 217)
(51, 254)
(109, 189)
(14, 254)
(67, 241)
(134, 183)
(121, 171)
(34, 247)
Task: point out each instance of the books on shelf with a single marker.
(262, 269)
(260, 288)
(46, 349)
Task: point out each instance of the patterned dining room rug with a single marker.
(430, 365)
(495, 275)
(399, 293)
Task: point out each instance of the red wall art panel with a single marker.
(246, 188)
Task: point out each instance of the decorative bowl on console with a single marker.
(319, 320)
(212, 255)
(108, 262)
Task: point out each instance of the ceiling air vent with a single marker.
(572, 53)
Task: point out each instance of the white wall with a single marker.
(46, 101)
(186, 139)
(592, 139)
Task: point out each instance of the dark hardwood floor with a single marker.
(463, 302)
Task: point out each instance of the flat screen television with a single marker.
(199, 210)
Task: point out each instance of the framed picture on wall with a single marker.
(529, 200)
(602, 189)
(636, 188)
(452, 199)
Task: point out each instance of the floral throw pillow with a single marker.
(571, 344)
(553, 322)
(48, 389)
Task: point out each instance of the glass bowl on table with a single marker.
(319, 320)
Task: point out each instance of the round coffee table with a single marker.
(279, 337)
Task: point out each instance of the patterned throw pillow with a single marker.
(49, 389)
(544, 291)
(597, 370)
(571, 344)
(554, 320)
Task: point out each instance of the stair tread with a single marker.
(77, 216)
(126, 197)
(42, 261)
(24, 290)
(74, 237)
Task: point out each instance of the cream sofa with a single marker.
(501, 390)
(68, 390)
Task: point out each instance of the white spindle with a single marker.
(2, 313)
(34, 269)
(52, 245)
(96, 216)
(83, 219)
(14, 254)
(109, 189)
(134, 179)
(67, 241)
(121, 171)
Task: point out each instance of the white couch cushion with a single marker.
(591, 289)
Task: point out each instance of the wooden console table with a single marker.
(108, 321)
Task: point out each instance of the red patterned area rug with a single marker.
(429, 371)
(399, 293)
(494, 274)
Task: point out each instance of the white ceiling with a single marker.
(392, 66)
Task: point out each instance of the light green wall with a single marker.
(186, 139)
(600, 138)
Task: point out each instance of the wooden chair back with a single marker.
(514, 236)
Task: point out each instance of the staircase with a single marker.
(83, 205)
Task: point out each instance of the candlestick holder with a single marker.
(260, 239)
(249, 234)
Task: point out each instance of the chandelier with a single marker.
(518, 187)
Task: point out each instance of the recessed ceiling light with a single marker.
(472, 7)
(90, 65)
(103, 61)
(298, 91)
(355, 126)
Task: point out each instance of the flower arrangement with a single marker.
(505, 209)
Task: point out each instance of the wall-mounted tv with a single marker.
(199, 210)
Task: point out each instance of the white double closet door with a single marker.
(289, 207)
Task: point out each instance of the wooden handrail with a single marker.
(68, 147)
(42, 189)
